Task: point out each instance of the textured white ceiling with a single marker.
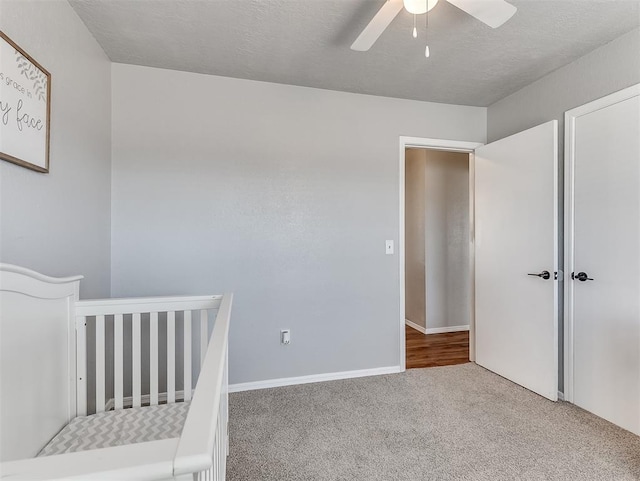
(306, 42)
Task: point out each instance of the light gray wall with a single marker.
(414, 254)
(284, 195)
(447, 239)
(59, 223)
(607, 69)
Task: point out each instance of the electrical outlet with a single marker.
(285, 336)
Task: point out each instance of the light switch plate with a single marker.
(285, 337)
(389, 247)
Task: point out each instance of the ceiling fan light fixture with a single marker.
(418, 7)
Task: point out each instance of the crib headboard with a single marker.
(37, 358)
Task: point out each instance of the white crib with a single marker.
(62, 358)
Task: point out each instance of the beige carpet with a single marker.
(445, 423)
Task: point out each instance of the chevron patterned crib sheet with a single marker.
(117, 428)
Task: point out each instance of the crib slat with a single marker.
(216, 453)
(100, 364)
(153, 364)
(204, 335)
(136, 360)
(225, 400)
(118, 362)
(81, 366)
(221, 447)
(171, 357)
(187, 355)
(216, 459)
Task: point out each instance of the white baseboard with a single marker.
(331, 376)
(440, 330)
(435, 330)
(415, 326)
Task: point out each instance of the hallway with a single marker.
(436, 349)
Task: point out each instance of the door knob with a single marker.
(581, 276)
(544, 275)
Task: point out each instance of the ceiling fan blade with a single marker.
(376, 26)
(492, 12)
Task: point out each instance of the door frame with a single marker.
(450, 146)
(569, 220)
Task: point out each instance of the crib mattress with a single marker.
(117, 428)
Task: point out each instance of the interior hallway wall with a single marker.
(447, 239)
(414, 240)
(284, 195)
(60, 223)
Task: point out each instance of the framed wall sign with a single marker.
(25, 100)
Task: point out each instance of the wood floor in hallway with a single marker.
(436, 349)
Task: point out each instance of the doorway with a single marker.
(513, 207)
(437, 260)
(437, 252)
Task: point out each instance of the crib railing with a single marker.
(204, 444)
(146, 330)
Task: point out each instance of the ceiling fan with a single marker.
(491, 12)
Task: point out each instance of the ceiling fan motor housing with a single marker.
(418, 7)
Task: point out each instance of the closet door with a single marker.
(603, 257)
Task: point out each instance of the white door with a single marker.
(516, 313)
(603, 172)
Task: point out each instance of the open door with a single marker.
(516, 251)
